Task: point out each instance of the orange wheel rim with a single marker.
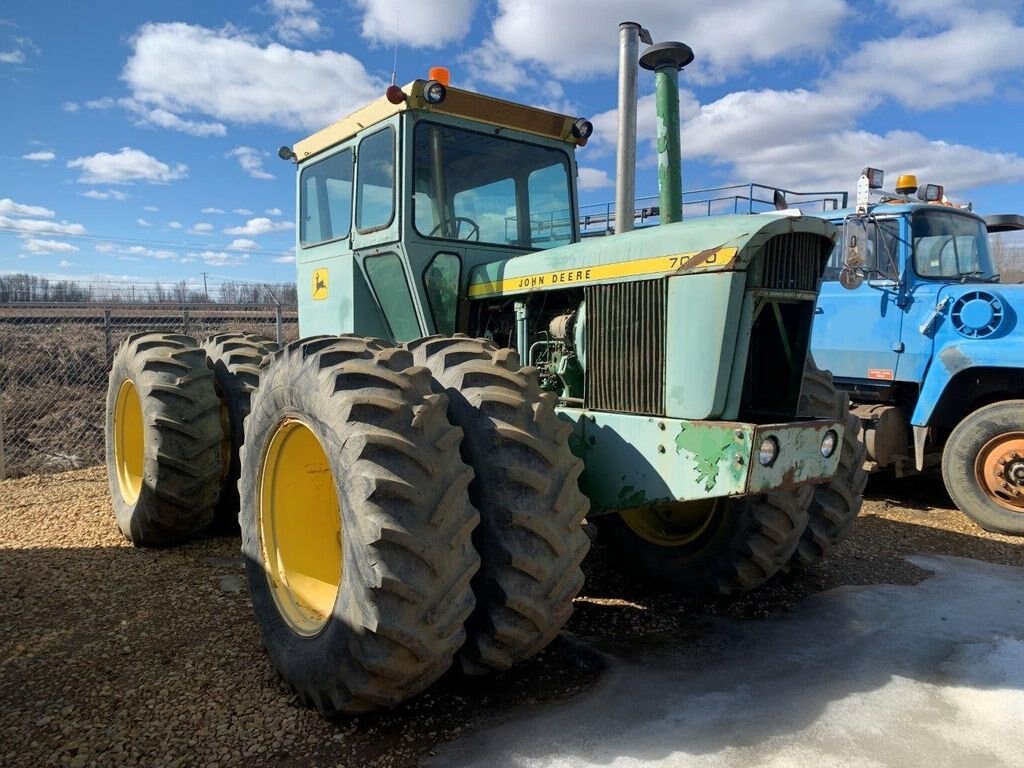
(1000, 470)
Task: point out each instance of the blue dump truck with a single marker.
(916, 326)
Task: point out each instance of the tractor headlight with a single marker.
(434, 92)
(768, 452)
(828, 443)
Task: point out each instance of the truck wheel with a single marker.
(983, 466)
(531, 538)
(163, 438)
(835, 504)
(713, 546)
(236, 359)
(356, 524)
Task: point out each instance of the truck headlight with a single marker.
(768, 452)
(828, 443)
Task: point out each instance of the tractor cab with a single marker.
(399, 200)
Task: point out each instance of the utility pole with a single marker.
(205, 291)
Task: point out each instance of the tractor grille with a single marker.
(792, 262)
(626, 347)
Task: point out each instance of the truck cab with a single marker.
(928, 343)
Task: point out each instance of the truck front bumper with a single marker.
(634, 461)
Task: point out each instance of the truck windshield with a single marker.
(484, 188)
(951, 246)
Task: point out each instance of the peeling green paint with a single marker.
(712, 450)
(670, 177)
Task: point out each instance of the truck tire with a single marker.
(356, 524)
(834, 505)
(531, 538)
(714, 547)
(983, 466)
(163, 439)
(236, 360)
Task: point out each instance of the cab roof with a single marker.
(457, 103)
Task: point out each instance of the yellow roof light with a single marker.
(906, 184)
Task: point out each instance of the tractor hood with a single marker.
(717, 244)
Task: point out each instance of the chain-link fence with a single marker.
(54, 360)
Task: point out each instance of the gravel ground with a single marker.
(111, 655)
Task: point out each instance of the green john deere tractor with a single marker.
(473, 380)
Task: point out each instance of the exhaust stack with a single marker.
(666, 59)
(630, 35)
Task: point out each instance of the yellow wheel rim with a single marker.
(129, 442)
(671, 525)
(300, 527)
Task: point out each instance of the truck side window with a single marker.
(375, 197)
(441, 280)
(387, 278)
(883, 251)
(325, 199)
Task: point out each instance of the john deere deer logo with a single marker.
(320, 284)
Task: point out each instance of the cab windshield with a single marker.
(951, 246)
(484, 188)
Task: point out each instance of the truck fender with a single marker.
(952, 359)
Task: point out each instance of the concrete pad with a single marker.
(929, 675)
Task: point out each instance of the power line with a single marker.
(167, 244)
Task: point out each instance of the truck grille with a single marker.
(626, 347)
(792, 262)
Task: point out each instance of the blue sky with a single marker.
(138, 138)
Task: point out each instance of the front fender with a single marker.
(955, 357)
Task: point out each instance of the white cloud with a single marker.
(418, 23)
(240, 80)
(212, 210)
(41, 227)
(70, 106)
(65, 263)
(242, 244)
(285, 258)
(110, 194)
(125, 166)
(201, 228)
(10, 208)
(575, 41)
(961, 63)
(251, 161)
(105, 247)
(804, 139)
(151, 208)
(259, 226)
(593, 178)
(241, 211)
(221, 258)
(296, 19)
(32, 245)
(273, 211)
(12, 57)
(164, 119)
(174, 224)
(142, 222)
(42, 156)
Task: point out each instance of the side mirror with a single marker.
(855, 252)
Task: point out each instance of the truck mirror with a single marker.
(851, 279)
(855, 252)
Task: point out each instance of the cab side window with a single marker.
(325, 199)
(883, 252)
(375, 197)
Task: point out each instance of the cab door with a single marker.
(856, 333)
